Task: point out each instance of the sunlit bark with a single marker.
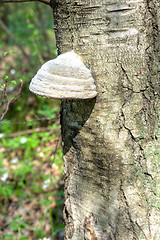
(110, 143)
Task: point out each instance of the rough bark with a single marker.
(110, 143)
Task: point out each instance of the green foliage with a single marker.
(8, 237)
(18, 224)
(6, 190)
(39, 233)
(23, 180)
(47, 112)
(29, 131)
(32, 25)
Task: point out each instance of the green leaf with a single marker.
(6, 78)
(24, 238)
(12, 51)
(5, 53)
(14, 82)
(30, 26)
(9, 237)
(45, 202)
(39, 233)
(59, 228)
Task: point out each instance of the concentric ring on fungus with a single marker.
(65, 77)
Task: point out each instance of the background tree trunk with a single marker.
(110, 143)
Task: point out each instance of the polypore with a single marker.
(65, 77)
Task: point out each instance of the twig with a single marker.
(2, 95)
(10, 101)
(28, 131)
(34, 121)
(55, 150)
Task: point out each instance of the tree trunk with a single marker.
(110, 144)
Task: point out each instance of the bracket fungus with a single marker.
(65, 77)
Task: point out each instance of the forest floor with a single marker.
(31, 194)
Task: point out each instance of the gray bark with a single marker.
(110, 144)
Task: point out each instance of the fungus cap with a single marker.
(65, 77)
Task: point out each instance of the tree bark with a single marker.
(111, 151)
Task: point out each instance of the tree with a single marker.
(110, 144)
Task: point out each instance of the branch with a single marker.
(18, 1)
(9, 101)
(29, 131)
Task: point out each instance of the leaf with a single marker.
(45, 202)
(12, 51)
(9, 237)
(59, 228)
(5, 54)
(30, 26)
(14, 82)
(6, 78)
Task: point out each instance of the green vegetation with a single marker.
(31, 165)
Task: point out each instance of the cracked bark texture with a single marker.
(110, 143)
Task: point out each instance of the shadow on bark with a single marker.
(97, 180)
(74, 114)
